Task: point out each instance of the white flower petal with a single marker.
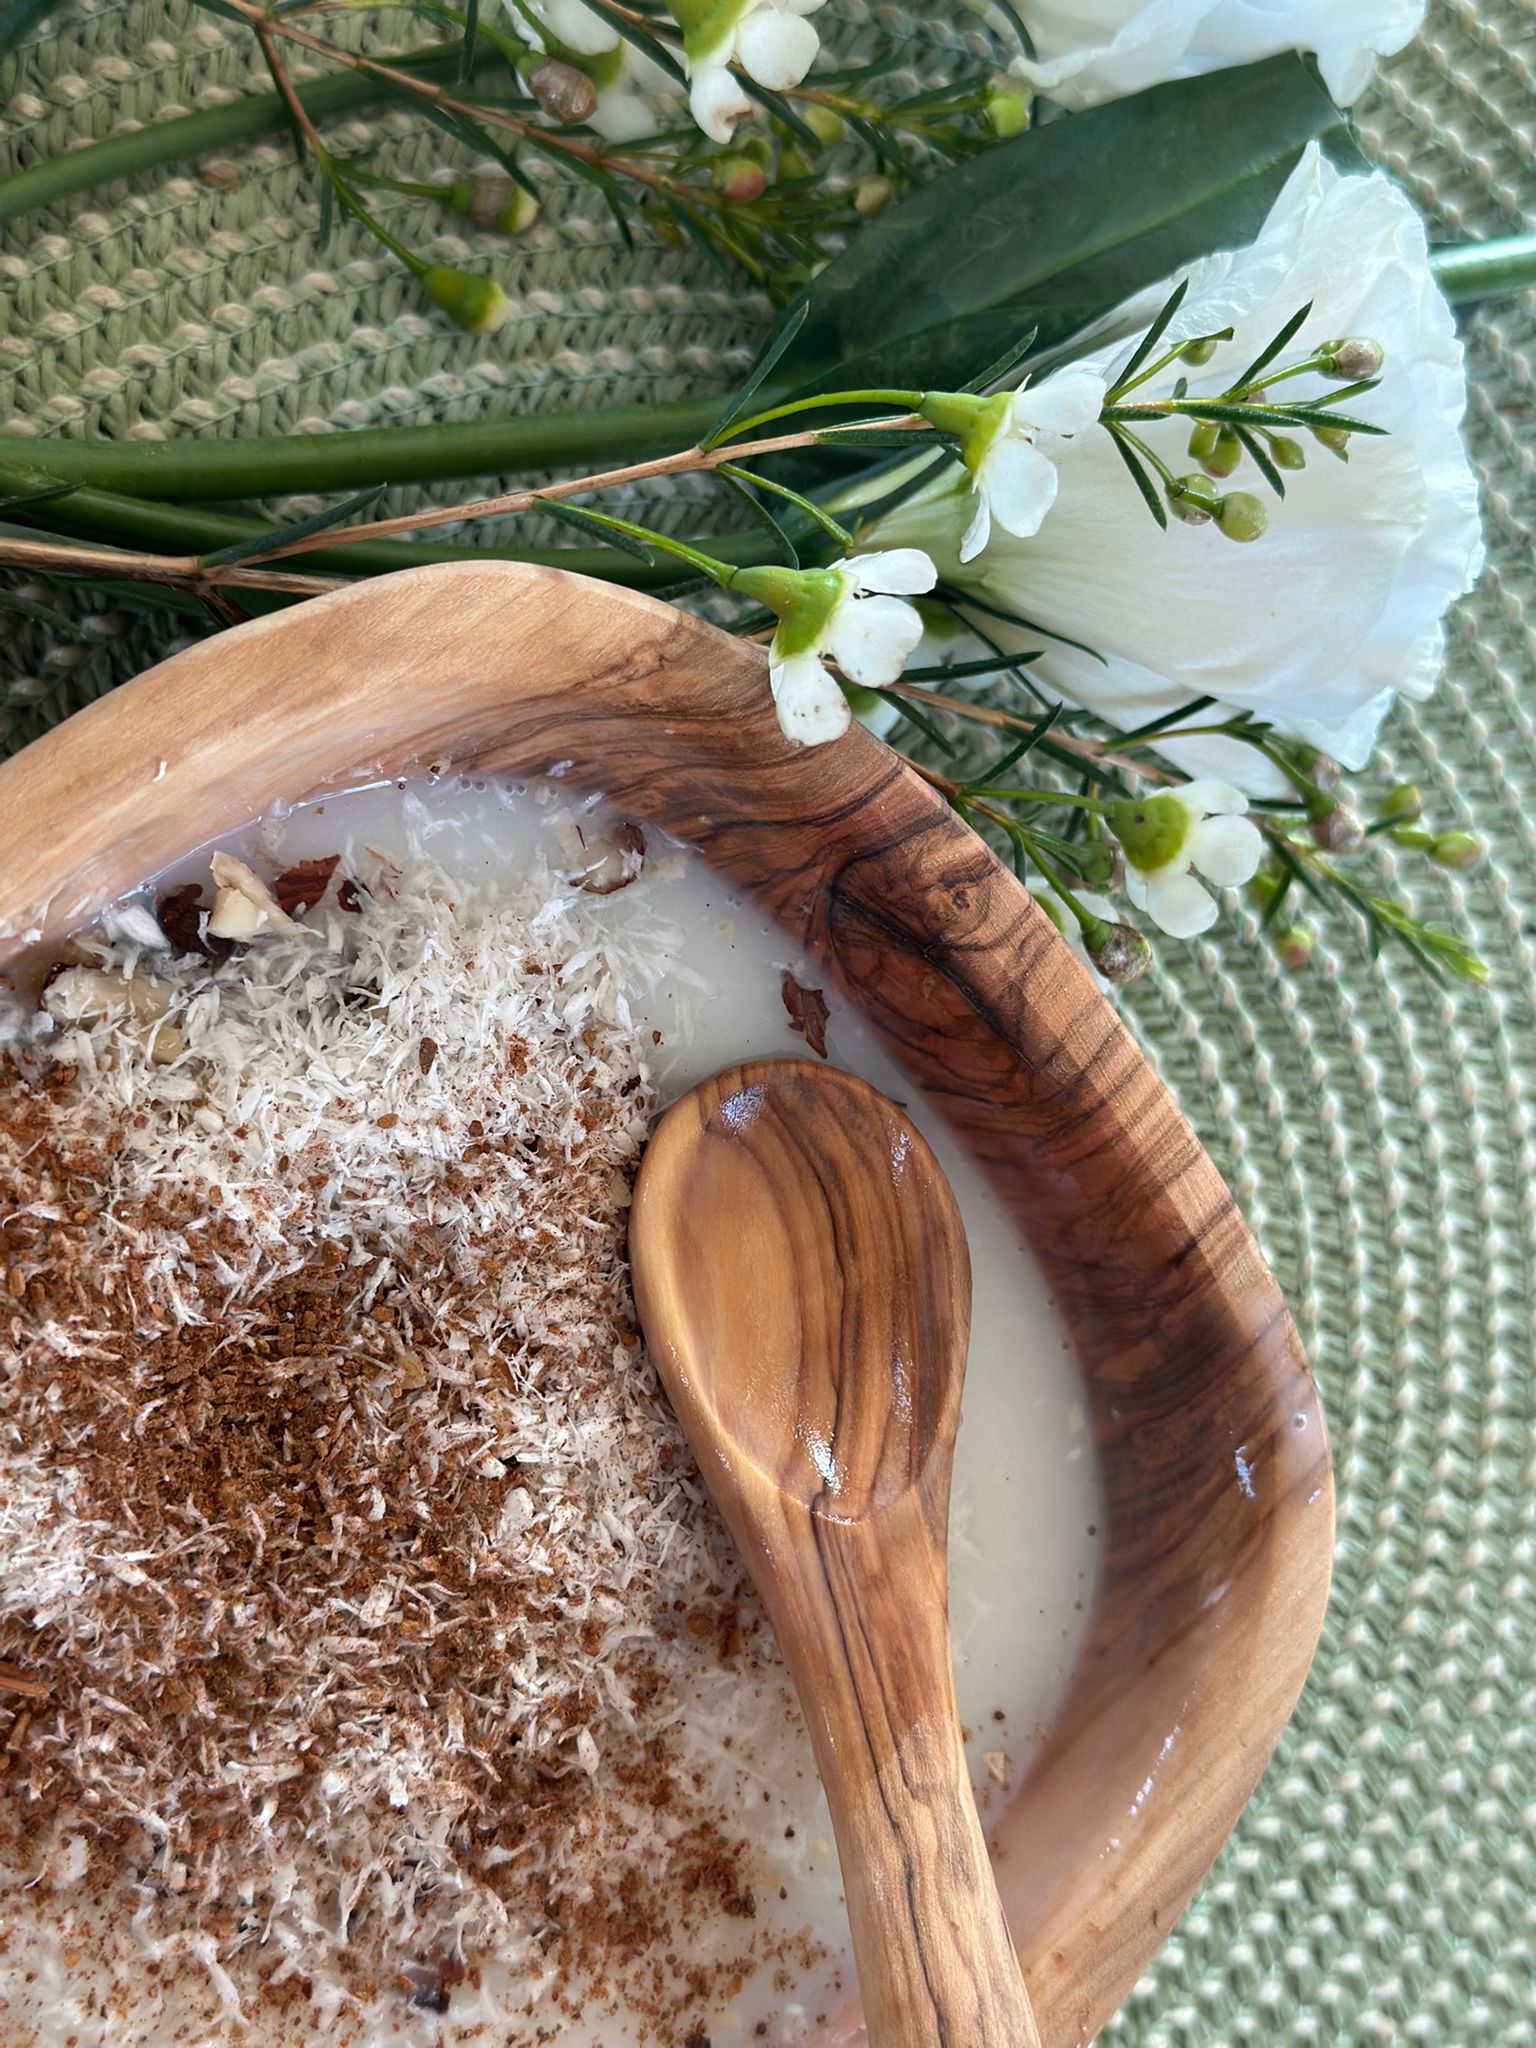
(979, 532)
(1019, 486)
(1210, 799)
(575, 25)
(870, 638)
(899, 572)
(776, 47)
(1180, 904)
(1068, 402)
(811, 707)
(716, 101)
(1089, 51)
(1226, 850)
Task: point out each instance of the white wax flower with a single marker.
(1174, 837)
(1010, 443)
(1089, 51)
(1341, 604)
(852, 614)
(625, 79)
(571, 23)
(770, 39)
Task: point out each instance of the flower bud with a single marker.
(1224, 456)
(1334, 439)
(794, 164)
(1351, 359)
(1101, 864)
(872, 195)
(1461, 851)
(566, 94)
(1198, 352)
(1288, 454)
(1294, 943)
(1320, 769)
(1202, 440)
(1118, 951)
(1336, 829)
(498, 204)
(1403, 803)
(1194, 499)
(1006, 106)
(738, 179)
(1242, 516)
(827, 127)
(477, 304)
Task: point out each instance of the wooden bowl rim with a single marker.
(78, 807)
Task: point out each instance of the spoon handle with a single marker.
(868, 1645)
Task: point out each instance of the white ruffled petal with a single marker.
(811, 707)
(1180, 904)
(1068, 402)
(776, 47)
(870, 638)
(898, 572)
(1226, 850)
(1019, 486)
(716, 101)
(1210, 799)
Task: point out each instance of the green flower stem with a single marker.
(210, 470)
(1470, 271)
(1165, 361)
(909, 399)
(220, 128)
(132, 523)
(1054, 797)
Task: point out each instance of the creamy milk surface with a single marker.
(1025, 1506)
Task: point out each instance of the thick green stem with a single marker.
(194, 135)
(175, 530)
(1469, 271)
(221, 470)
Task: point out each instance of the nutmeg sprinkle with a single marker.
(354, 1577)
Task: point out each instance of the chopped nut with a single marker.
(615, 861)
(807, 1009)
(82, 995)
(244, 906)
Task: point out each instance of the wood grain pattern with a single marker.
(804, 1286)
(1216, 1572)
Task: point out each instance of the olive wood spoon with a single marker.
(804, 1285)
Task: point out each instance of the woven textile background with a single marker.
(1380, 1135)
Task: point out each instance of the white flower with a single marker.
(851, 614)
(624, 78)
(1088, 51)
(572, 24)
(1010, 450)
(770, 39)
(1316, 626)
(1170, 837)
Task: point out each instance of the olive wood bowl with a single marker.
(1213, 1451)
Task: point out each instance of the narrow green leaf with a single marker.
(1267, 355)
(471, 30)
(915, 715)
(779, 107)
(19, 491)
(834, 528)
(644, 39)
(1262, 460)
(880, 437)
(327, 220)
(596, 528)
(300, 529)
(1020, 748)
(784, 332)
(1153, 335)
(960, 671)
(739, 482)
(1008, 360)
(963, 601)
(1144, 483)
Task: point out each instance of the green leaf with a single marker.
(965, 600)
(1261, 457)
(643, 39)
(1008, 360)
(596, 527)
(1267, 355)
(740, 483)
(1026, 745)
(959, 671)
(301, 529)
(1055, 227)
(471, 28)
(1153, 335)
(930, 731)
(1144, 483)
(18, 489)
(783, 334)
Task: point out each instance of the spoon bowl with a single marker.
(803, 1281)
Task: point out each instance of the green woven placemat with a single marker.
(1379, 1133)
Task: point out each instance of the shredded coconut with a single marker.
(353, 1573)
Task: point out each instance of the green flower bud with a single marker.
(1335, 828)
(872, 196)
(1461, 851)
(1403, 803)
(1151, 830)
(1287, 454)
(1334, 439)
(477, 304)
(738, 179)
(1194, 499)
(1294, 943)
(1006, 106)
(1101, 864)
(566, 94)
(794, 164)
(1198, 352)
(498, 204)
(1351, 359)
(1224, 456)
(827, 127)
(1202, 440)
(1242, 516)
(1118, 951)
